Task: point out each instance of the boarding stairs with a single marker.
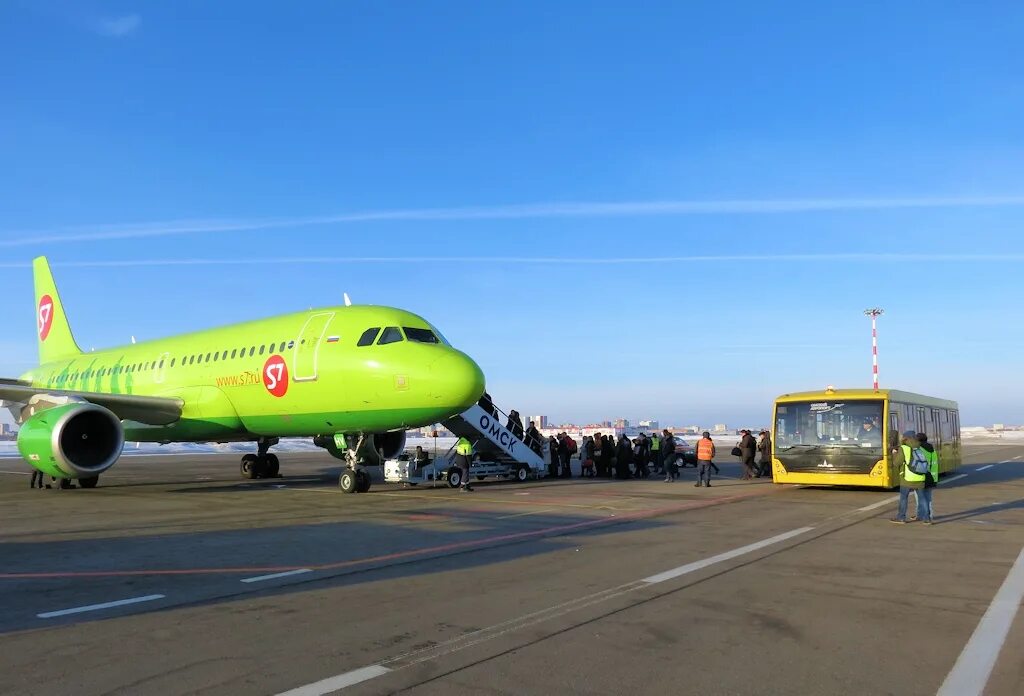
(493, 441)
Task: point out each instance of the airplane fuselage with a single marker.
(301, 374)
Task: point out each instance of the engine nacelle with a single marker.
(76, 440)
(374, 451)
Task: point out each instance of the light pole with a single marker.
(874, 313)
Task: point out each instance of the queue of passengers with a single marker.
(602, 456)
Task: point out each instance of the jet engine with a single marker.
(75, 440)
(375, 449)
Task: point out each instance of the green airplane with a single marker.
(353, 378)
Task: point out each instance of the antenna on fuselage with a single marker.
(133, 340)
(348, 302)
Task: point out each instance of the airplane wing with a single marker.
(151, 410)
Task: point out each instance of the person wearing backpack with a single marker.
(913, 475)
(924, 496)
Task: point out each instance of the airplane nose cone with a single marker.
(457, 380)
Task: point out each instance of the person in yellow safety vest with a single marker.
(918, 468)
(656, 452)
(463, 458)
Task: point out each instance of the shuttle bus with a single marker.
(851, 437)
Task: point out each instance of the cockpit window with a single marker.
(420, 335)
(367, 338)
(390, 335)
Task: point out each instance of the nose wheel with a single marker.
(354, 478)
(354, 481)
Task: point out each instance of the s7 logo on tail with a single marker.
(44, 316)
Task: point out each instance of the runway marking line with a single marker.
(17, 473)
(973, 668)
(559, 529)
(988, 466)
(880, 503)
(341, 681)
(275, 576)
(98, 607)
(741, 551)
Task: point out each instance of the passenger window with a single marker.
(252, 351)
(172, 365)
(420, 335)
(291, 344)
(224, 355)
(216, 356)
(390, 335)
(368, 337)
(261, 349)
(234, 351)
(207, 357)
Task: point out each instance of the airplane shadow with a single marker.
(416, 543)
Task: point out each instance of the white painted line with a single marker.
(525, 514)
(700, 565)
(17, 473)
(275, 576)
(1019, 456)
(972, 669)
(342, 681)
(880, 503)
(988, 466)
(97, 607)
(950, 480)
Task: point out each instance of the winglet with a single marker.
(52, 328)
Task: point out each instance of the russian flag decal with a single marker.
(333, 339)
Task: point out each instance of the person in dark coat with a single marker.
(607, 454)
(564, 455)
(515, 424)
(488, 405)
(533, 438)
(748, 447)
(624, 457)
(553, 453)
(643, 451)
(764, 446)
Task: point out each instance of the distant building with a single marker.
(620, 423)
(998, 427)
(649, 425)
(606, 424)
(539, 421)
(720, 428)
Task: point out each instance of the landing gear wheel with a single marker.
(480, 478)
(273, 466)
(89, 482)
(522, 473)
(454, 477)
(347, 482)
(260, 466)
(362, 481)
(248, 466)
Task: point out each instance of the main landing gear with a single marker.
(262, 464)
(354, 478)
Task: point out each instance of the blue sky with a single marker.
(751, 177)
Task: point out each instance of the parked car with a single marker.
(687, 453)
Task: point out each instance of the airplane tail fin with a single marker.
(54, 332)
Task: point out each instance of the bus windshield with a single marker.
(828, 423)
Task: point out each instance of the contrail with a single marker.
(502, 212)
(527, 260)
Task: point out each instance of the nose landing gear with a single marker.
(354, 478)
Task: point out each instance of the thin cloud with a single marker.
(502, 212)
(528, 260)
(118, 27)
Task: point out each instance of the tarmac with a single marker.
(175, 576)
